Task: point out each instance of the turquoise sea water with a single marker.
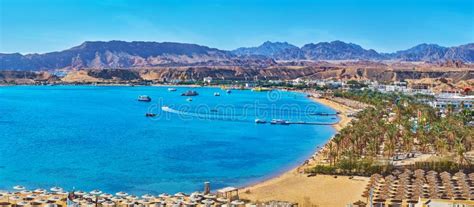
(92, 137)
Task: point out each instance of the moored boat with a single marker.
(280, 122)
(260, 121)
(150, 115)
(189, 99)
(171, 89)
(190, 93)
(144, 98)
(217, 94)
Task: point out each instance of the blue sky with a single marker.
(37, 26)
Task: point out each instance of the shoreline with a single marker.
(295, 186)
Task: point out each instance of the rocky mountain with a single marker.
(120, 54)
(464, 53)
(275, 50)
(421, 52)
(338, 50)
(126, 55)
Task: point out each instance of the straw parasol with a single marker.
(180, 194)
(95, 192)
(39, 190)
(359, 203)
(54, 198)
(19, 187)
(222, 200)
(106, 195)
(121, 194)
(207, 202)
(79, 193)
(148, 196)
(210, 196)
(108, 203)
(237, 202)
(164, 195)
(55, 189)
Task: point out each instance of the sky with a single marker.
(39, 26)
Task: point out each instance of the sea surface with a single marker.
(97, 137)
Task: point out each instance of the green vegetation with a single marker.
(397, 124)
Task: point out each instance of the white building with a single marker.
(207, 79)
(456, 101)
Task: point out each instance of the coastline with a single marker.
(295, 186)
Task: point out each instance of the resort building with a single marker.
(443, 101)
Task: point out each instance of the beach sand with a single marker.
(320, 190)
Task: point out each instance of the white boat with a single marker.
(260, 121)
(190, 93)
(144, 98)
(217, 94)
(279, 121)
(171, 89)
(189, 99)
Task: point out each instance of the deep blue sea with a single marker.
(97, 137)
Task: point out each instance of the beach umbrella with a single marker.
(19, 187)
(132, 197)
(56, 189)
(77, 200)
(25, 192)
(79, 193)
(106, 195)
(179, 195)
(108, 203)
(210, 196)
(95, 192)
(222, 200)
(15, 198)
(237, 202)
(62, 192)
(190, 203)
(144, 201)
(54, 198)
(359, 203)
(121, 194)
(128, 203)
(88, 196)
(147, 196)
(31, 196)
(39, 190)
(90, 204)
(40, 201)
(207, 202)
(22, 203)
(116, 199)
(164, 195)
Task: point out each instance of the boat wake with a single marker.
(212, 116)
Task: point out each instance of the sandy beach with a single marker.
(320, 190)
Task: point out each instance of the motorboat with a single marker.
(150, 115)
(144, 98)
(279, 122)
(171, 89)
(217, 94)
(190, 93)
(189, 99)
(260, 121)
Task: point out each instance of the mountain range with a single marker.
(139, 54)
